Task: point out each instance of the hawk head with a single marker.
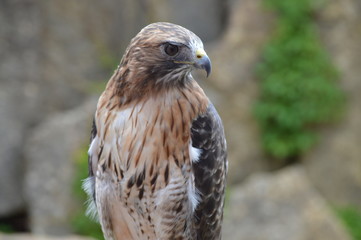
(164, 54)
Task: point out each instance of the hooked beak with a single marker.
(202, 61)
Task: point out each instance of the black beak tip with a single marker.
(208, 69)
(207, 66)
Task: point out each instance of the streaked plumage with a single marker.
(157, 159)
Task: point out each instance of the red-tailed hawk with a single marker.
(157, 159)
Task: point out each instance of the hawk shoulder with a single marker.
(209, 171)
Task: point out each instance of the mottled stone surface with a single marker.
(19, 30)
(279, 206)
(49, 177)
(235, 87)
(334, 165)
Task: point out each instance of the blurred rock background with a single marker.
(55, 57)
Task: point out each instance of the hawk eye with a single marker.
(171, 49)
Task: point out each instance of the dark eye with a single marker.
(171, 49)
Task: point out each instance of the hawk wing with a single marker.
(209, 173)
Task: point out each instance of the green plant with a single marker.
(351, 218)
(82, 224)
(6, 228)
(298, 83)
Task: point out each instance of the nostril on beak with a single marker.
(200, 53)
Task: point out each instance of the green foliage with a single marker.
(82, 224)
(298, 88)
(6, 228)
(351, 218)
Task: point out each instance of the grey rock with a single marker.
(43, 69)
(18, 70)
(334, 164)
(49, 175)
(234, 58)
(279, 206)
(11, 139)
(206, 18)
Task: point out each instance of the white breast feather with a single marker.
(194, 153)
(193, 194)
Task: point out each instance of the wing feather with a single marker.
(209, 173)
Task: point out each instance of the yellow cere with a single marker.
(200, 53)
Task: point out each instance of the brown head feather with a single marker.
(145, 67)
